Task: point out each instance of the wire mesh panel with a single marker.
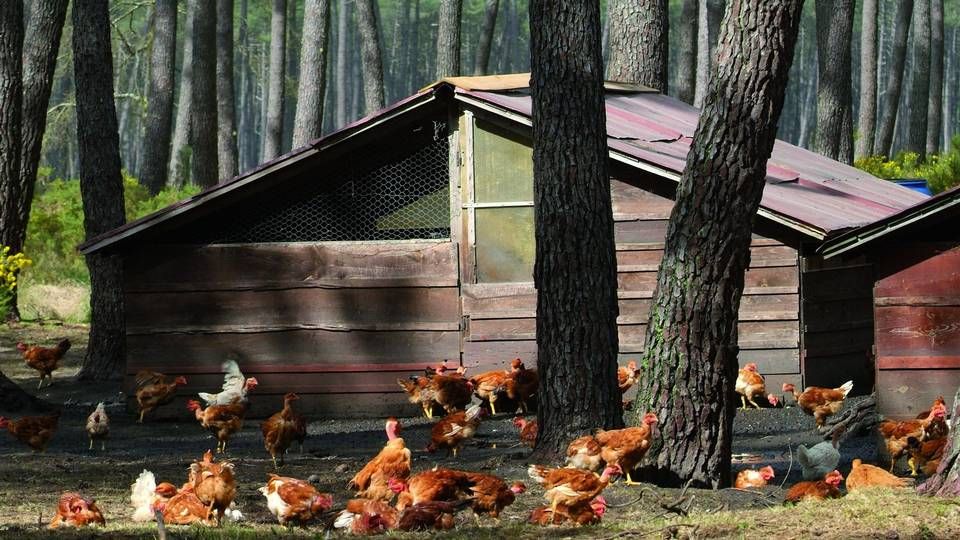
(406, 198)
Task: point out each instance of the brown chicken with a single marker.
(451, 431)
(490, 386)
(939, 427)
(433, 515)
(185, 508)
(750, 478)
(75, 510)
(584, 453)
(44, 360)
(438, 484)
(221, 420)
(750, 384)
(417, 393)
(585, 513)
(925, 455)
(33, 431)
(393, 461)
(294, 501)
(828, 488)
(626, 447)
(98, 426)
(863, 475)
(522, 385)
(281, 429)
(627, 376)
(154, 390)
(528, 430)
(491, 494)
(896, 434)
(571, 487)
(820, 402)
(367, 517)
(214, 484)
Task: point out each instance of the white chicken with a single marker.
(235, 386)
(98, 426)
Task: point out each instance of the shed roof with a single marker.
(652, 132)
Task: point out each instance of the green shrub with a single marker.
(941, 171)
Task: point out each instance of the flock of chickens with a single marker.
(923, 438)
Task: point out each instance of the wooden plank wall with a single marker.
(501, 317)
(917, 309)
(337, 323)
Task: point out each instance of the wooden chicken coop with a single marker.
(406, 238)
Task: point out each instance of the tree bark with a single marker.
(920, 92)
(834, 101)
(156, 137)
(179, 169)
(486, 37)
(101, 186)
(935, 107)
(343, 21)
(690, 361)
(226, 99)
(313, 72)
(708, 27)
(638, 42)
(203, 125)
(687, 52)
(370, 57)
(448, 38)
(274, 128)
(11, 112)
(946, 481)
(891, 102)
(867, 122)
(576, 317)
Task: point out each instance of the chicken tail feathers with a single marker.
(802, 456)
(538, 473)
(344, 520)
(141, 496)
(472, 413)
(846, 388)
(207, 398)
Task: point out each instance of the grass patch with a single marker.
(67, 302)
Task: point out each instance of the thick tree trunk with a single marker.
(710, 12)
(687, 52)
(313, 72)
(576, 317)
(203, 126)
(690, 362)
(946, 481)
(11, 112)
(935, 107)
(486, 37)
(245, 133)
(370, 56)
(448, 38)
(638, 42)
(226, 100)
(274, 128)
(179, 169)
(867, 123)
(343, 22)
(156, 139)
(920, 92)
(101, 186)
(891, 101)
(834, 101)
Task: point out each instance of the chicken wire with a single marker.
(407, 198)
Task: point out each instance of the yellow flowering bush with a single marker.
(10, 268)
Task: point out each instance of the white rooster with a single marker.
(235, 386)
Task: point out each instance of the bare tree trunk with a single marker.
(891, 102)
(101, 186)
(691, 339)
(370, 57)
(448, 38)
(834, 101)
(11, 113)
(576, 318)
(313, 72)
(638, 42)
(687, 53)
(486, 37)
(226, 101)
(935, 107)
(292, 73)
(867, 123)
(203, 126)
(920, 91)
(179, 168)
(274, 127)
(246, 134)
(343, 21)
(156, 139)
(708, 27)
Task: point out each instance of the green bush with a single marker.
(941, 171)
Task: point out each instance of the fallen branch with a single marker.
(860, 417)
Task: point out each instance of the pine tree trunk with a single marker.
(708, 27)
(867, 123)
(687, 52)
(179, 168)
(203, 126)
(293, 41)
(370, 56)
(156, 139)
(246, 135)
(920, 91)
(273, 130)
(576, 317)
(448, 38)
(101, 186)
(946, 481)
(486, 37)
(11, 112)
(313, 72)
(690, 362)
(834, 101)
(226, 100)
(935, 107)
(638, 42)
(343, 22)
(891, 101)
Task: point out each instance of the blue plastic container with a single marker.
(916, 184)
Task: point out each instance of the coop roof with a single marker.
(812, 194)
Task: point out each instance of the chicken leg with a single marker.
(428, 410)
(744, 401)
(913, 466)
(493, 407)
(629, 481)
(91, 444)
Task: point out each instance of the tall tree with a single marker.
(11, 111)
(245, 134)
(370, 56)
(834, 96)
(101, 186)
(313, 72)
(448, 38)
(576, 318)
(867, 122)
(226, 101)
(486, 37)
(691, 339)
(203, 125)
(920, 91)
(343, 51)
(687, 52)
(638, 42)
(156, 139)
(274, 129)
(179, 169)
(891, 101)
(935, 107)
(710, 12)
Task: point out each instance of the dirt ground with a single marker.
(30, 484)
